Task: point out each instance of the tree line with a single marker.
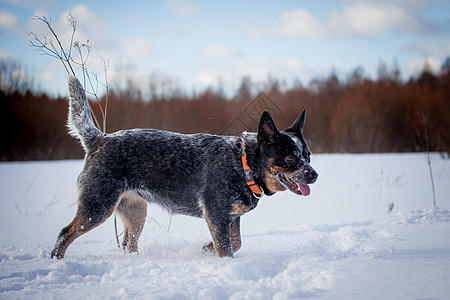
(355, 115)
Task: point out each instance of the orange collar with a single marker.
(257, 192)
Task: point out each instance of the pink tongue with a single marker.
(304, 188)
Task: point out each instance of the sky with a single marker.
(198, 44)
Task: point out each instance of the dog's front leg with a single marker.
(220, 233)
(235, 234)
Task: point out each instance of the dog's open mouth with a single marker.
(295, 187)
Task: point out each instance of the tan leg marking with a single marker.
(132, 210)
(238, 209)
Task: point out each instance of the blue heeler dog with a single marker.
(219, 178)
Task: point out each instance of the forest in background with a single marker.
(356, 114)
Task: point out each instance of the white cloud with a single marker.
(208, 77)
(372, 19)
(8, 20)
(414, 4)
(297, 23)
(295, 64)
(5, 55)
(416, 66)
(181, 7)
(258, 68)
(222, 52)
(137, 48)
(32, 3)
(357, 18)
(89, 26)
(45, 75)
(88, 21)
(436, 48)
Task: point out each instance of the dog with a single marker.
(218, 178)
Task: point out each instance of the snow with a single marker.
(341, 242)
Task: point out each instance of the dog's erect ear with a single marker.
(267, 131)
(297, 126)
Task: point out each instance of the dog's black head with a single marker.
(285, 157)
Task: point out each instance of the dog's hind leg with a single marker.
(79, 226)
(92, 211)
(132, 209)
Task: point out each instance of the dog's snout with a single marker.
(310, 175)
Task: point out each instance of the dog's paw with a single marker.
(209, 248)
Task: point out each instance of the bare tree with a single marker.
(13, 77)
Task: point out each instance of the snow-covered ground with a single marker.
(341, 242)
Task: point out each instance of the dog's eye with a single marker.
(307, 154)
(290, 159)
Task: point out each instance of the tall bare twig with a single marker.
(106, 86)
(424, 139)
(46, 45)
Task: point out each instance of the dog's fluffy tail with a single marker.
(80, 121)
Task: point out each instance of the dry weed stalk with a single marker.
(77, 54)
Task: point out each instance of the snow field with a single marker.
(341, 242)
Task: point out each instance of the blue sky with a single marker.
(209, 43)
